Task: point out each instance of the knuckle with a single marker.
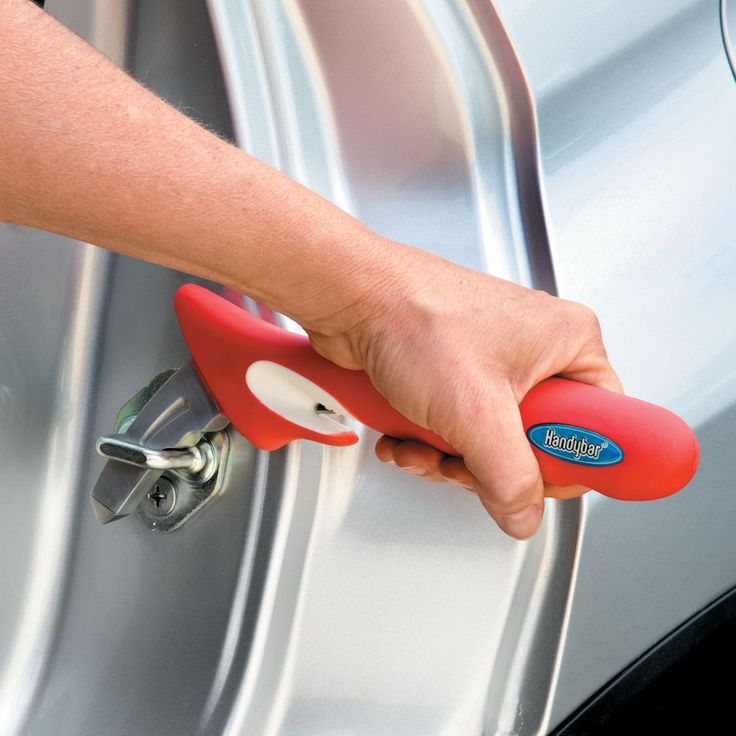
(579, 313)
(451, 411)
(404, 461)
(511, 492)
(591, 322)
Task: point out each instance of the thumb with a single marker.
(498, 455)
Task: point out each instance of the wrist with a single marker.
(344, 282)
(360, 295)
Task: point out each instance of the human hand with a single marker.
(456, 351)
(453, 350)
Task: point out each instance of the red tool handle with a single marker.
(275, 388)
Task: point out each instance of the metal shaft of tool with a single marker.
(177, 416)
(115, 447)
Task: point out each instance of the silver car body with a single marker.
(587, 148)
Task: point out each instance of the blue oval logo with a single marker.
(575, 444)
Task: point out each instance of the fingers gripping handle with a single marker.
(272, 385)
(275, 388)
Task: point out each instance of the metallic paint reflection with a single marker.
(636, 113)
(584, 147)
(728, 29)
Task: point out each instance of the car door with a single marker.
(636, 107)
(319, 591)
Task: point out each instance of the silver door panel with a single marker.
(637, 113)
(324, 592)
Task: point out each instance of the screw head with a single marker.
(161, 499)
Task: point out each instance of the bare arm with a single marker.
(89, 153)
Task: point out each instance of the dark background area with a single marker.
(682, 685)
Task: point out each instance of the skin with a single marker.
(89, 153)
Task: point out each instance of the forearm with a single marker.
(89, 153)
(86, 152)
